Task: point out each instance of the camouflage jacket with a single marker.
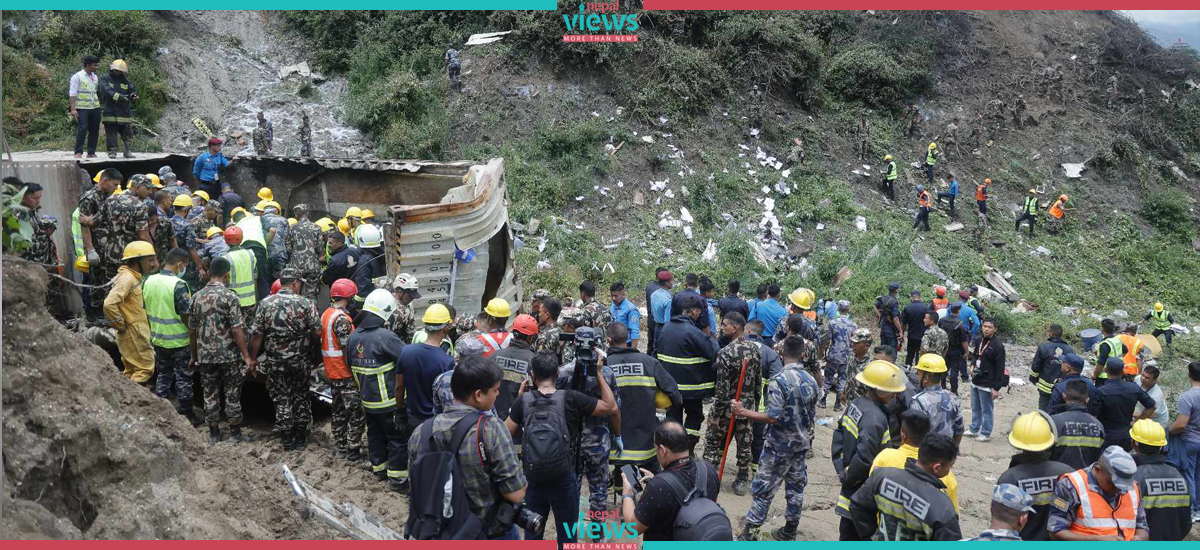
(213, 314)
(728, 369)
(935, 341)
(305, 247)
(840, 331)
(808, 356)
(182, 228)
(402, 323)
(259, 137)
(161, 239)
(792, 402)
(854, 365)
(287, 322)
(593, 314)
(276, 249)
(944, 410)
(473, 333)
(92, 204)
(547, 340)
(596, 429)
(198, 229)
(125, 215)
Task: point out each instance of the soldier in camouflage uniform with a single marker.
(128, 220)
(259, 137)
(935, 340)
(549, 329)
(591, 312)
(942, 406)
(790, 413)
(181, 226)
(728, 367)
(161, 231)
(596, 436)
(305, 246)
(860, 355)
(289, 324)
(305, 136)
(276, 250)
(841, 334)
(215, 327)
(405, 290)
(452, 60)
(535, 303)
(91, 216)
(443, 396)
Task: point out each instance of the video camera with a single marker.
(586, 341)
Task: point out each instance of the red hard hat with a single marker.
(233, 236)
(275, 286)
(941, 291)
(343, 288)
(525, 324)
(214, 141)
(964, 294)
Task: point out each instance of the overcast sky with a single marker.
(1165, 16)
(1169, 26)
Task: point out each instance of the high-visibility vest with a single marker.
(242, 265)
(1161, 321)
(85, 96)
(930, 157)
(421, 336)
(252, 230)
(1095, 517)
(77, 234)
(166, 326)
(891, 174)
(941, 303)
(1056, 211)
(924, 200)
(1116, 348)
(981, 192)
(1132, 346)
(331, 353)
(494, 341)
(1031, 205)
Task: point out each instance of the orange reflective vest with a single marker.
(331, 352)
(941, 303)
(1095, 517)
(1056, 211)
(924, 200)
(812, 315)
(494, 341)
(981, 192)
(1132, 346)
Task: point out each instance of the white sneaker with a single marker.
(970, 433)
(983, 438)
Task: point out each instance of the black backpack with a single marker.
(545, 450)
(432, 513)
(699, 518)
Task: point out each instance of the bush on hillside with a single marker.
(105, 34)
(674, 80)
(1167, 211)
(403, 112)
(770, 52)
(330, 35)
(865, 72)
(538, 33)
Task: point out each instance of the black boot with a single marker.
(750, 532)
(285, 437)
(353, 455)
(214, 434)
(399, 485)
(787, 532)
(191, 416)
(128, 155)
(235, 434)
(741, 486)
(301, 440)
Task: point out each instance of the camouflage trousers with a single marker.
(347, 421)
(172, 368)
(287, 382)
(226, 377)
(599, 475)
(312, 286)
(101, 275)
(714, 443)
(835, 376)
(778, 466)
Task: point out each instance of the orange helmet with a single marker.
(275, 286)
(987, 180)
(343, 288)
(1062, 198)
(233, 236)
(525, 324)
(941, 291)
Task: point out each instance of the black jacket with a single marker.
(677, 306)
(956, 334)
(514, 361)
(1036, 478)
(688, 355)
(639, 378)
(733, 303)
(373, 354)
(1080, 437)
(917, 508)
(861, 433)
(1047, 364)
(913, 320)
(989, 372)
(1164, 497)
(114, 92)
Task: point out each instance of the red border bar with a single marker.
(910, 5)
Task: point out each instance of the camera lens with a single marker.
(531, 521)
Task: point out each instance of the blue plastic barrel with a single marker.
(1090, 338)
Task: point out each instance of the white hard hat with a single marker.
(404, 281)
(368, 236)
(381, 303)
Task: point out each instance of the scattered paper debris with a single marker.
(860, 223)
(659, 185)
(596, 114)
(754, 132)
(710, 252)
(485, 38)
(956, 226)
(786, 173)
(669, 194)
(662, 120)
(687, 231)
(1120, 314)
(820, 227)
(638, 198)
(648, 139)
(579, 198)
(1041, 251)
(685, 215)
(543, 264)
(542, 244)
(769, 204)
(1073, 170)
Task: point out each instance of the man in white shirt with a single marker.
(85, 106)
(1148, 380)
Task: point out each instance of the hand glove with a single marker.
(620, 444)
(93, 257)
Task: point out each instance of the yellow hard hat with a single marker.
(887, 157)
(436, 314)
(1158, 307)
(933, 146)
(325, 224)
(234, 212)
(931, 362)
(801, 298)
(265, 194)
(662, 400)
(498, 307)
(201, 194)
(119, 65)
(343, 225)
(98, 175)
(262, 205)
(882, 376)
(183, 200)
(118, 190)
(137, 249)
(212, 231)
(292, 221)
(368, 214)
(1148, 432)
(275, 205)
(81, 264)
(1033, 191)
(154, 181)
(354, 212)
(1032, 431)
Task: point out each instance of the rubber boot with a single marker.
(787, 532)
(191, 416)
(821, 403)
(235, 434)
(399, 485)
(749, 533)
(301, 439)
(837, 404)
(125, 141)
(741, 486)
(353, 455)
(286, 439)
(214, 434)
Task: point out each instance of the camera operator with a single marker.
(550, 463)
(494, 482)
(653, 516)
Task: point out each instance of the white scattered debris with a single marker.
(1073, 170)
(579, 198)
(300, 68)
(769, 204)
(766, 190)
(820, 227)
(778, 164)
(956, 226)
(680, 173)
(1017, 381)
(710, 252)
(726, 113)
(787, 173)
(648, 139)
(1073, 57)
(743, 146)
(754, 132)
(751, 172)
(543, 264)
(669, 194)
(665, 223)
(1008, 275)
(783, 187)
(825, 421)
(542, 244)
(662, 120)
(610, 148)
(1041, 251)
(620, 110)
(1120, 314)
(860, 223)
(687, 231)
(486, 38)
(683, 189)
(685, 215)
(668, 252)
(659, 185)
(799, 231)
(620, 184)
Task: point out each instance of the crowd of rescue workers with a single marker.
(515, 407)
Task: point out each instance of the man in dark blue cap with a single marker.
(1010, 510)
(1071, 369)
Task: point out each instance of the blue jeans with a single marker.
(1191, 470)
(561, 496)
(981, 411)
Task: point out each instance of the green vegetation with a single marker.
(1168, 212)
(18, 233)
(44, 49)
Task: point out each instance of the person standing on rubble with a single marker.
(374, 358)
(688, 354)
(304, 248)
(118, 95)
(888, 309)
(889, 177)
(950, 194)
(924, 205)
(208, 167)
(931, 157)
(284, 326)
(124, 310)
(167, 302)
(738, 362)
(85, 106)
(93, 228)
(128, 220)
(452, 60)
(305, 136)
(1028, 212)
(216, 336)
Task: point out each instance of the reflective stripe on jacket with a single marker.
(331, 353)
(1095, 517)
(242, 266)
(166, 326)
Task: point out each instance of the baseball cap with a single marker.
(1074, 360)
(893, 286)
(469, 347)
(1120, 466)
(862, 335)
(1012, 497)
(665, 276)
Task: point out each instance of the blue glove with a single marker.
(620, 445)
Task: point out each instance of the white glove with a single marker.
(93, 257)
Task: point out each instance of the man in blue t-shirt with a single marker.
(769, 311)
(420, 365)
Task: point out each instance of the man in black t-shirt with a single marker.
(913, 321)
(653, 515)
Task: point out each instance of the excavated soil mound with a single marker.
(89, 454)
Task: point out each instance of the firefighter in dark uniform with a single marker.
(641, 380)
(374, 354)
(343, 264)
(908, 504)
(1032, 471)
(1080, 435)
(861, 434)
(688, 355)
(515, 360)
(1164, 490)
(1047, 365)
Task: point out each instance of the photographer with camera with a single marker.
(688, 355)
(656, 511)
(488, 471)
(551, 419)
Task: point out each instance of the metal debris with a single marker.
(1073, 170)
